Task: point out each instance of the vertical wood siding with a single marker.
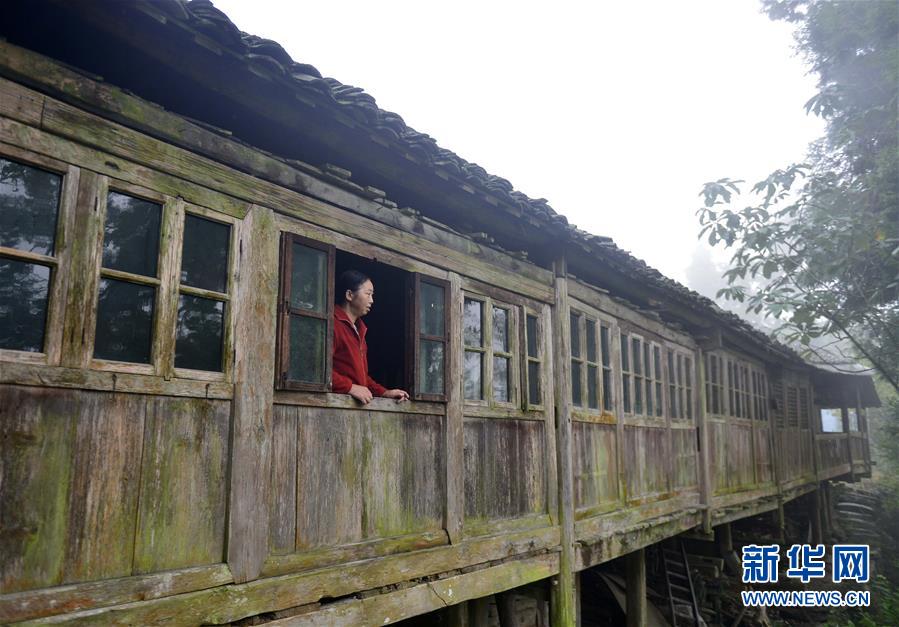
(595, 466)
(505, 474)
(96, 485)
(344, 476)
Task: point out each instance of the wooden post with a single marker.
(815, 516)
(478, 612)
(457, 615)
(455, 444)
(724, 538)
(705, 478)
(505, 609)
(254, 372)
(635, 565)
(563, 597)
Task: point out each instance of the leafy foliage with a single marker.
(820, 239)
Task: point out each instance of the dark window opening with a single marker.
(388, 321)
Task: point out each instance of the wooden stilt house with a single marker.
(176, 199)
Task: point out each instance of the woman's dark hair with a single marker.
(349, 280)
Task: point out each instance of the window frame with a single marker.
(514, 354)
(282, 348)
(167, 257)
(58, 263)
(603, 394)
(185, 209)
(539, 359)
(415, 336)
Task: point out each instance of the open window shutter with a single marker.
(305, 314)
(428, 345)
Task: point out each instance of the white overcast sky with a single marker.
(615, 112)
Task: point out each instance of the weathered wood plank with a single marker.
(283, 534)
(455, 441)
(646, 457)
(105, 483)
(595, 467)
(20, 103)
(505, 474)
(389, 608)
(36, 456)
(230, 603)
(85, 596)
(78, 378)
(254, 371)
(182, 513)
(563, 608)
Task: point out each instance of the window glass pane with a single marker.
(501, 388)
(124, 321)
(204, 254)
(500, 330)
(473, 375)
(670, 367)
(638, 367)
(575, 335)
(591, 340)
(658, 398)
(647, 363)
(592, 393)
(432, 316)
(23, 305)
(576, 392)
(626, 393)
(607, 389)
(532, 336)
(625, 364)
(657, 361)
(307, 350)
(649, 407)
(604, 345)
(29, 202)
(308, 278)
(638, 395)
(533, 383)
(472, 322)
(688, 371)
(201, 325)
(430, 367)
(131, 234)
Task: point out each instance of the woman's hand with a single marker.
(362, 394)
(399, 395)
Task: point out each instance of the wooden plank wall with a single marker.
(596, 467)
(98, 485)
(346, 476)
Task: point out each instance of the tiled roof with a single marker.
(202, 17)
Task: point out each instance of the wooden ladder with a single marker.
(679, 584)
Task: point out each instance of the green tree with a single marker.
(819, 240)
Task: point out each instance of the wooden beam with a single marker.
(455, 443)
(254, 369)
(564, 593)
(635, 565)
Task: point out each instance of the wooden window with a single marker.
(474, 341)
(674, 408)
(129, 283)
(657, 378)
(534, 358)
(647, 364)
(605, 346)
(625, 374)
(804, 408)
(688, 388)
(30, 228)
(431, 337)
(489, 369)
(792, 410)
(591, 363)
(305, 320)
(577, 360)
(757, 390)
(203, 294)
(638, 374)
(714, 385)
